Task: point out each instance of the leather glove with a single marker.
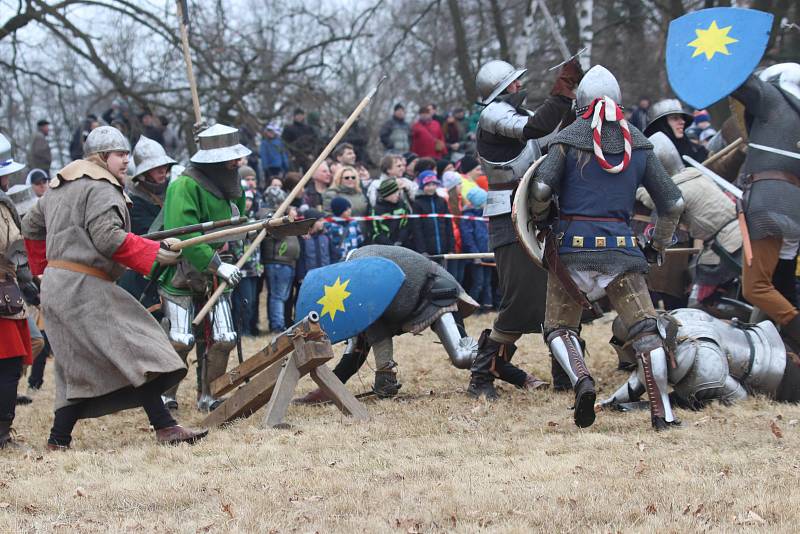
(166, 256)
(568, 79)
(652, 254)
(230, 273)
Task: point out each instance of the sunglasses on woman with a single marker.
(349, 177)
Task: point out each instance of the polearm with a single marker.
(562, 44)
(464, 256)
(273, 222)
(289, 198)
(183, 18)
(199, 227)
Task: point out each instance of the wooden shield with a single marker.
(521, 217)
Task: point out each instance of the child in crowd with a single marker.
(451, 182)
(432, 235)
(316, 247)
(392, 231)
(346, 235)
(475, 239)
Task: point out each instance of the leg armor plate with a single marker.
(223, 340)
(566, 349)
(462, 350)
(653, 360)
(178, 315)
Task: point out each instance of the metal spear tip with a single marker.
(377, 86)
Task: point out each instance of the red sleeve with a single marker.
(37, 255)
(137, 253)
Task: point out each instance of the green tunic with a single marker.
(187, 202)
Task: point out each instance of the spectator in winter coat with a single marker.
(451, 182)
(245, 294)
(470, 169)
(639, 115)
(346, 184)
(427, 139)
(250, 183)
(343, 154)
(346, 235)
(316, 247)
(392, 231)
(319, 183)
(39, 154)
(475, 239)
(431, 235)
(279, 257)
(273, 153)
(395, 133)
(357, 137)
(301, 140)
(79, 136)
(392, 168)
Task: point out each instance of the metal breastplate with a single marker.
(756, 355)
(509, 172)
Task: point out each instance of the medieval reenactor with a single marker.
(207, 190)
(78, 235)
(15, 349)
(507, 145)
(710, 216)
(429, 297)
(772, 195)
(714, 360)
(668, 117)
(592, 170)
(146, 191)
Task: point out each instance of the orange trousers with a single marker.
(757, 285)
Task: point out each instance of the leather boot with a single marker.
(6, 441)
(173, 435)
(481, 382)
(532, 382)
(791, 333)
(386, 384)
(567, 350)
(560, 378)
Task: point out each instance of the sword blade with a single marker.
(719, 180)
(778, 151)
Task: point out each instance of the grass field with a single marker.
(431, 460)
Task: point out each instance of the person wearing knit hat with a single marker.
(249, 180)
(432, 235)
(426, 177)
(345, 235)
(475, 239)
(391, 231)
(477, 197)
(443, 165)
(451, 179)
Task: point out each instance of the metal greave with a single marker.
(566, 349)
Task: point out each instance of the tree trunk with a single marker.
(585, 32)
(464, 68)
(526, 40)
(500, 29)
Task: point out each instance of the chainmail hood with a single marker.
(579, 135)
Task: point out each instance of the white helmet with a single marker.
(218, 144)
(105, 139)
(493, 78)
(7, 163)
(149, 154)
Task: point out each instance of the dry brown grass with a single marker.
(431, 460)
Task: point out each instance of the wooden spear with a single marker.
(290, 197)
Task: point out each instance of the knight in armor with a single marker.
(714, 360)
(668, 117)
(591, 173)
(112, 354)
(429, 297)
(507, 145)
(207, 190)
(710, 216)
(772, 191)
(146, 191)
(15, 349)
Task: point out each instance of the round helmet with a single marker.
(149, 154)
(23, 198)
(785, 75)
(219, 144)
(493, 78)
(7, 163)
(663, 108)
(667, 153)
(597, 83)
(105, 139)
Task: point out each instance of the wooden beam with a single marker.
(279, 347)
(246, 400)
(338, 393)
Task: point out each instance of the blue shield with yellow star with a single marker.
(711, 52)
(349, 296)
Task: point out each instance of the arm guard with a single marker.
(540, 201)
(501, 118)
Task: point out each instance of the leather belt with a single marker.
(507, 186)
(80, 268)
(593, 219)
(775, 175)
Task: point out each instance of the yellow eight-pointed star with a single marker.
(334, 298)
(712, 41)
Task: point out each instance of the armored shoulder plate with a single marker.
(501, 118)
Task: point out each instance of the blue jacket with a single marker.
(316, 251)
(474, 234)
(432, 235)
(273, 154)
